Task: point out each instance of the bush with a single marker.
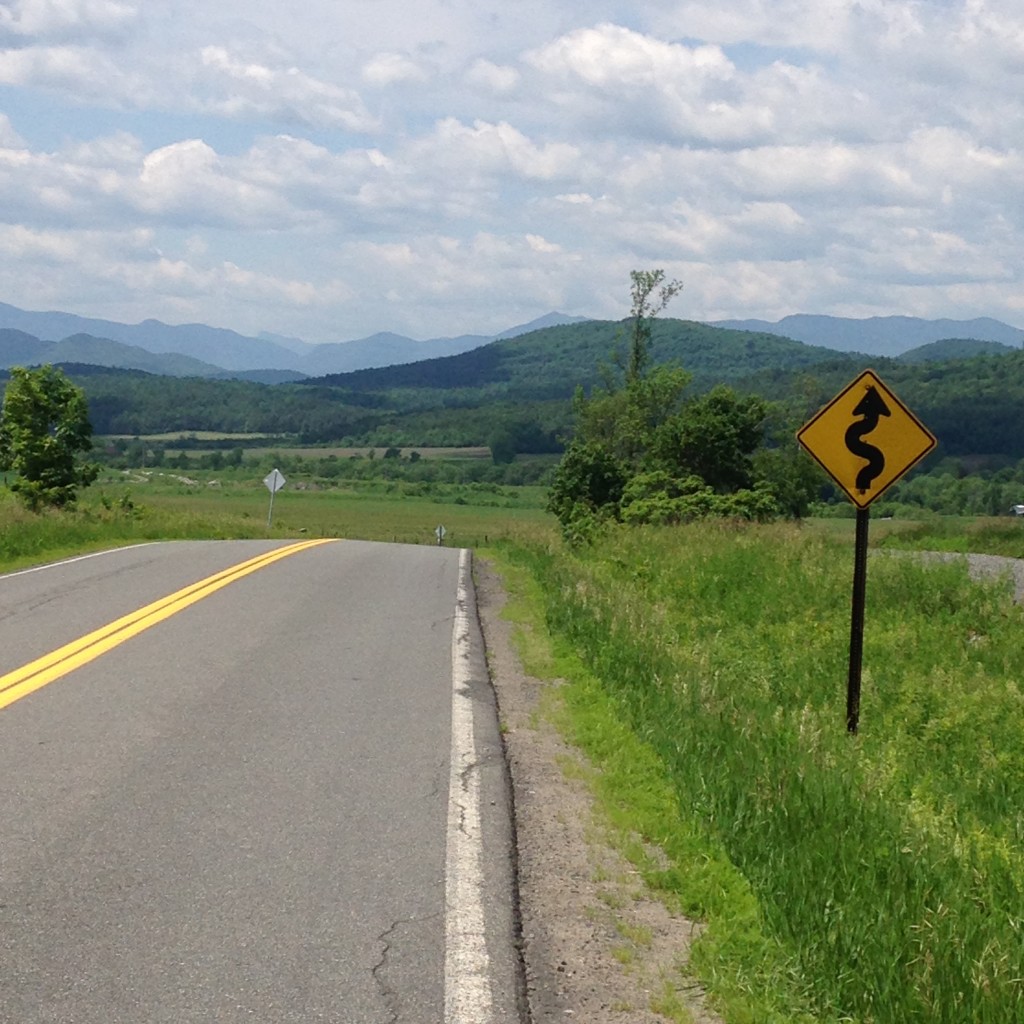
(589, 480)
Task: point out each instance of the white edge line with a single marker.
(468, 998)
(78, 558)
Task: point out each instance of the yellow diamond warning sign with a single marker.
(866, 439)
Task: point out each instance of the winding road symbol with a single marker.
(865, 438)
(872, 407)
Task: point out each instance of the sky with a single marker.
(329, 169)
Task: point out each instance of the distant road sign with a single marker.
(274, 481)
(866, 439)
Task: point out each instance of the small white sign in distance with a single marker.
(274, 481)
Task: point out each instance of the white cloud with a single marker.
(388, 68)
(235, 87)
(635, 85)
(495, 78)
(816, 25)
(9, 138)
(94, 267)
(32, 247)
(60, 18)
(486, 147)
(78, 72)
(539, 244)
(426, 274)
(613, 57)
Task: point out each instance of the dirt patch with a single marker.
(596, 946)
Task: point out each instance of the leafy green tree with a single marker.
(44, 429)
(502, 443)
(625, 418)
(784, 467)
(713, 437)
(514, 435)
(643, 454)
(615, 424)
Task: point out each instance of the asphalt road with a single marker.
(258, 806)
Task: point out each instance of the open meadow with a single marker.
(140, 505)
(876, 878)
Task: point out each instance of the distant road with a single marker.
(239, 802)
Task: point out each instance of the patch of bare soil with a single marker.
(597, 946)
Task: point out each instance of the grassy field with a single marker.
(876, 879)
(126, 507)
(994, 536)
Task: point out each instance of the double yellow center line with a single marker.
(29, 678)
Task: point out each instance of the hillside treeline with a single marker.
(974, 406)
(517, 392)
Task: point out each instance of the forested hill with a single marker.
(954, 348)
(974, 405)
(551, 363)
(132, 402)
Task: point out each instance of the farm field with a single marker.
(174, 445)
(179, 435)
(447, 454)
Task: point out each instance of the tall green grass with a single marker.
(993, 535)
(887, 868)
(101, 520)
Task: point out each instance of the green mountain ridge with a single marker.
(553, 362)
(973, 403)
(954, 348)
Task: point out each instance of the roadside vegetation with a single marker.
(875, 878)
(644, 451)
(44, 434)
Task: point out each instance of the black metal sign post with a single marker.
(836, 438)
(860, 579)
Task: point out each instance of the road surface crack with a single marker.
(387, 938)
(387, 993)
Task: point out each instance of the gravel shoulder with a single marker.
(596, 946)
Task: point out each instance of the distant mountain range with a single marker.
(197, 350)
(879, 335)
(214, 350)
